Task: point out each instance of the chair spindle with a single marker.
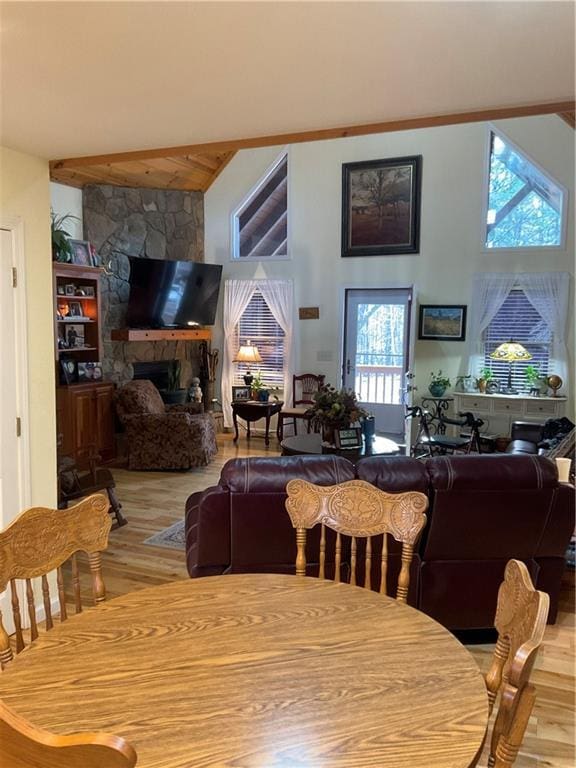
(16, 616)
(404, 577)
(353, 561)
(301, 552)
(76, 584)
(322, 571)
(31, 609)
(61, 594)
(46, 601)
(368, 564)
(338, 558)
(384, 566)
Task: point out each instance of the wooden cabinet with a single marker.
(84, 408)
(499, 411)
(85, 421)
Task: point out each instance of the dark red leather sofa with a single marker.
(483, 511)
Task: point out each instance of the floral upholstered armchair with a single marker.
(160, 436)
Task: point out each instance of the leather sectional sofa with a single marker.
(483, 511)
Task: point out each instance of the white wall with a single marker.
(64, 200)
(450, 239)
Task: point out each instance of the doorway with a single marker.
(14, 453)
(376, 353)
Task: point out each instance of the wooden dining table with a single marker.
(258, 671)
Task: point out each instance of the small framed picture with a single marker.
(70, 290)
(75, 309)
(75, 336)
(60, 290)
(89, 291)
(442, 322)
(81, 253)
(351, 437)
(240, 393)
(89, 371)
(68, 371)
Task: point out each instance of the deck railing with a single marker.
(379, 384)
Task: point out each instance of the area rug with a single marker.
(173, 537)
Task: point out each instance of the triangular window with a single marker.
(525, 205)
(260, 223)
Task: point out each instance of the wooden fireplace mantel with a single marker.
(176, 334)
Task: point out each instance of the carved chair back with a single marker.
(521, 615)
(40, 540)
(22, 745)
(359, 510)
(304, 386)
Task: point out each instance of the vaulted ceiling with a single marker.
(102, 79)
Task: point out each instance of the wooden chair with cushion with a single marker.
(303, 388)
(359, 510)
(24, 746)
(40, 540)
(521, 615)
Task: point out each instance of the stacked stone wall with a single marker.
(148, 223)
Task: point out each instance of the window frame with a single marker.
(238, 373)
(501, 375)
(246, 199)
(491, 128)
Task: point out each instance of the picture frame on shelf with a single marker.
(348, 438)
(442, 322)
(81, 253)
(241, 393)
(89, 291)
(75, 309)
(75, 336)
(70, 290)
(60, 290)
(381, 206)
(68, 371)
(89, 372)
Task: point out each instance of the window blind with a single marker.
(518, 320)
(258, 326)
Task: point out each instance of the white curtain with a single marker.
(279, 296)
(237, 295)
(489, 292)
(548, 294)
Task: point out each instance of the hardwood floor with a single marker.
(154, 500)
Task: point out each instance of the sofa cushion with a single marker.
(263, 474)
(394, 474)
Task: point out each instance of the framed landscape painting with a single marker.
(381, 207)
(442, 322)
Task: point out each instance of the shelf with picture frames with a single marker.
(77, 314)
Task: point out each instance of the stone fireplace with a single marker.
(148, 223)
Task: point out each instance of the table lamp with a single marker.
(510, 352)
(248, 354)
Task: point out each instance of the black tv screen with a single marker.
(172, 294)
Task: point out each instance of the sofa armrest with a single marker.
(207, 525)
(165, 426)
(191, 408)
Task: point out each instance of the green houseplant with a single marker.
(173, 392)
(61, 248)
(259, 390)
(486, 375)
(534, 379)
(335, 409)
(438, 384)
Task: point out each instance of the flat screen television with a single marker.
(172, 294)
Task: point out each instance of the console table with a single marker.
(253, 410)
(499, 411)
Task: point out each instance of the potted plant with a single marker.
(486, 376)
(534, 380)
(61, 248)
(173, 393)
(438, 384)
(259, 390)
(334, 409)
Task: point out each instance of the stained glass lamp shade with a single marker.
(511, 352)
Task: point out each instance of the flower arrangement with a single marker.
(335, 407)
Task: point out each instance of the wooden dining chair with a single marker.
(22, 745)
(521, 615)
(359, 510)
(40, 540)
(303, 388)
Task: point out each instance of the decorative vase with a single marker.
(436, 389)
(328, 433)
(263, 395)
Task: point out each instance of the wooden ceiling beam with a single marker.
(569, 118)
(497, 113)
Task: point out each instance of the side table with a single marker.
(253, 410)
